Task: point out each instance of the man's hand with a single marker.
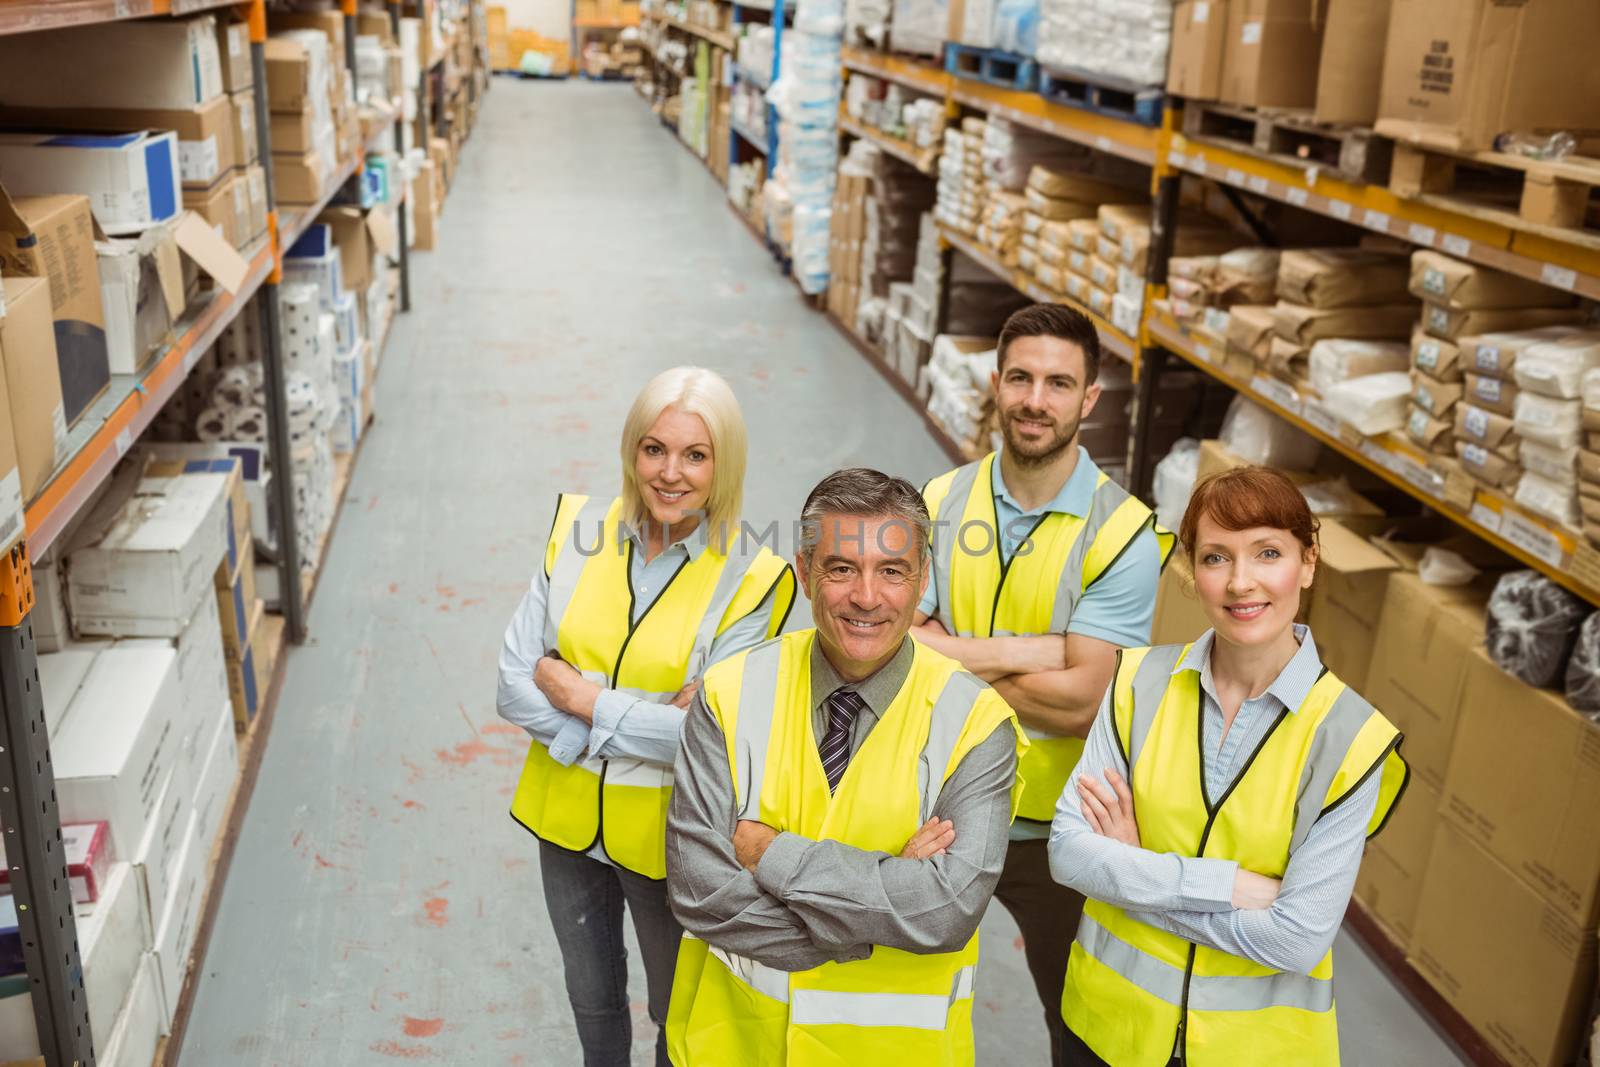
(1109, 811)
(686, 694)
(750, 841)
(1254, 892)
(935, 836)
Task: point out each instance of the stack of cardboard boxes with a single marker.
(1055, 197)
(1452, 80)
(1121, 257)
(847, 226)
(301, 86)
(961, 187)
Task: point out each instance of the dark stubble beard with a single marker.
(1065, 437)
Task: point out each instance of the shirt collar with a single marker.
(877, 690)
(694, 545)
(1075, 498)
(1292, 685)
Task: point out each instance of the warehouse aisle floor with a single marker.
(382, 906)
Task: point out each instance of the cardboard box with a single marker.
(293, 133)
(214, 782)
(236, 602)
(1307, 325)
(349, 227)
(1342, 277)
(142, 291)
(1348, 595)
(52, 237)
(113, 937)
(299, 179)
(33, 382)
(140, 565)
(159, 63)
(233, 54)
(1456, 75)
(1351, 67)
(220, 207)
(202, 677)
(118, 747)
(424, 208)
(180, 922)
(132, 180)
(1426, 637)
(246, 141)
(1272, 52)
(1396, 862)
(137, 1031)
(295, 78)
(248, 675)
(11, 515)
(1179, 617)
(1482, 932)
(1544, 831)
(207, 148)
(161, 849)
(1199, 38)
(61, 675)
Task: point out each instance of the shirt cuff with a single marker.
(1207, 884)
(609, 708)
(569, 742)
(780, 862)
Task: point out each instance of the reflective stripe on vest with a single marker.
(1206, 992)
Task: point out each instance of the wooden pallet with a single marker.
(1005, 69)
(1130, 103)
(1558, 194)
(1353, 151)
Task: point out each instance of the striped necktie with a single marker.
(843, 704)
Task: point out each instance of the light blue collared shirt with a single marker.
(1193, 897)
(1120, 607)
(625, 726)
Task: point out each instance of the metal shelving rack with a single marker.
(29, 816)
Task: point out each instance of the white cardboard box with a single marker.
(50, 627)
(132, 180)
(61, 675)
(145, 571)
(120, 743)
(139, 1027)
(215, 780)
(113, 937)
(180, 922)
(19, 1034)
(161, 849)
(202, 677)
(163, 63)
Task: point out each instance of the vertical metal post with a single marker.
(272, 363)
(1153, 359)
(350, 39)
(400, 151)
(32, 823)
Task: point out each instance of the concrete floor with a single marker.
(382, 906)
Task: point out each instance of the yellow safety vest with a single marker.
(1034, 592)
(588, 618)
(894, 1007)
(1135, 993)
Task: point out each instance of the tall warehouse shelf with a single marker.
(111, 427)
(1196, 154)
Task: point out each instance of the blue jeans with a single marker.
(585, 899)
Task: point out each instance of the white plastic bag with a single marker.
(1532, 627)
(1440, 566)
(1258, 436)
(1174, 482)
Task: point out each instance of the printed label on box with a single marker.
(1201, 12)
(197, 160)
(1250, 33)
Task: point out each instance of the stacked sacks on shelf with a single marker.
(1121, 257)
(309, 344)
(1347, 293)
(897, 111)
(1548, 419)
(1589, 458)
(960, 188)
(958, 382)
(1120, 40)
(977, 303)
(806, 96)
(1053, 197)
(1202, 288)
(1487, 442)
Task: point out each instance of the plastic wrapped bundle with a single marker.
(807, 101)
(1337, 360)
(1258, 436)
(1016, 26)
(1174, 481)
(1011, 152)
(1556, 368)
(918, 26)
(1583, 669)
(1377, 403)
(1532, 627)
(866, 22)
(1127, 40)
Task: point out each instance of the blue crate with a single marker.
(1008, 70)
(1130, 103)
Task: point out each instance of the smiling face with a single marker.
(1042, 394)
(1249, 581)
(673, 465)
(864, 577)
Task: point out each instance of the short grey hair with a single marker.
(865, 493)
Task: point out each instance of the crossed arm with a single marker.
(794, 903)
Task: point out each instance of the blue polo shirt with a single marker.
(1118, 608)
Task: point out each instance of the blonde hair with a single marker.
(695, 391)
